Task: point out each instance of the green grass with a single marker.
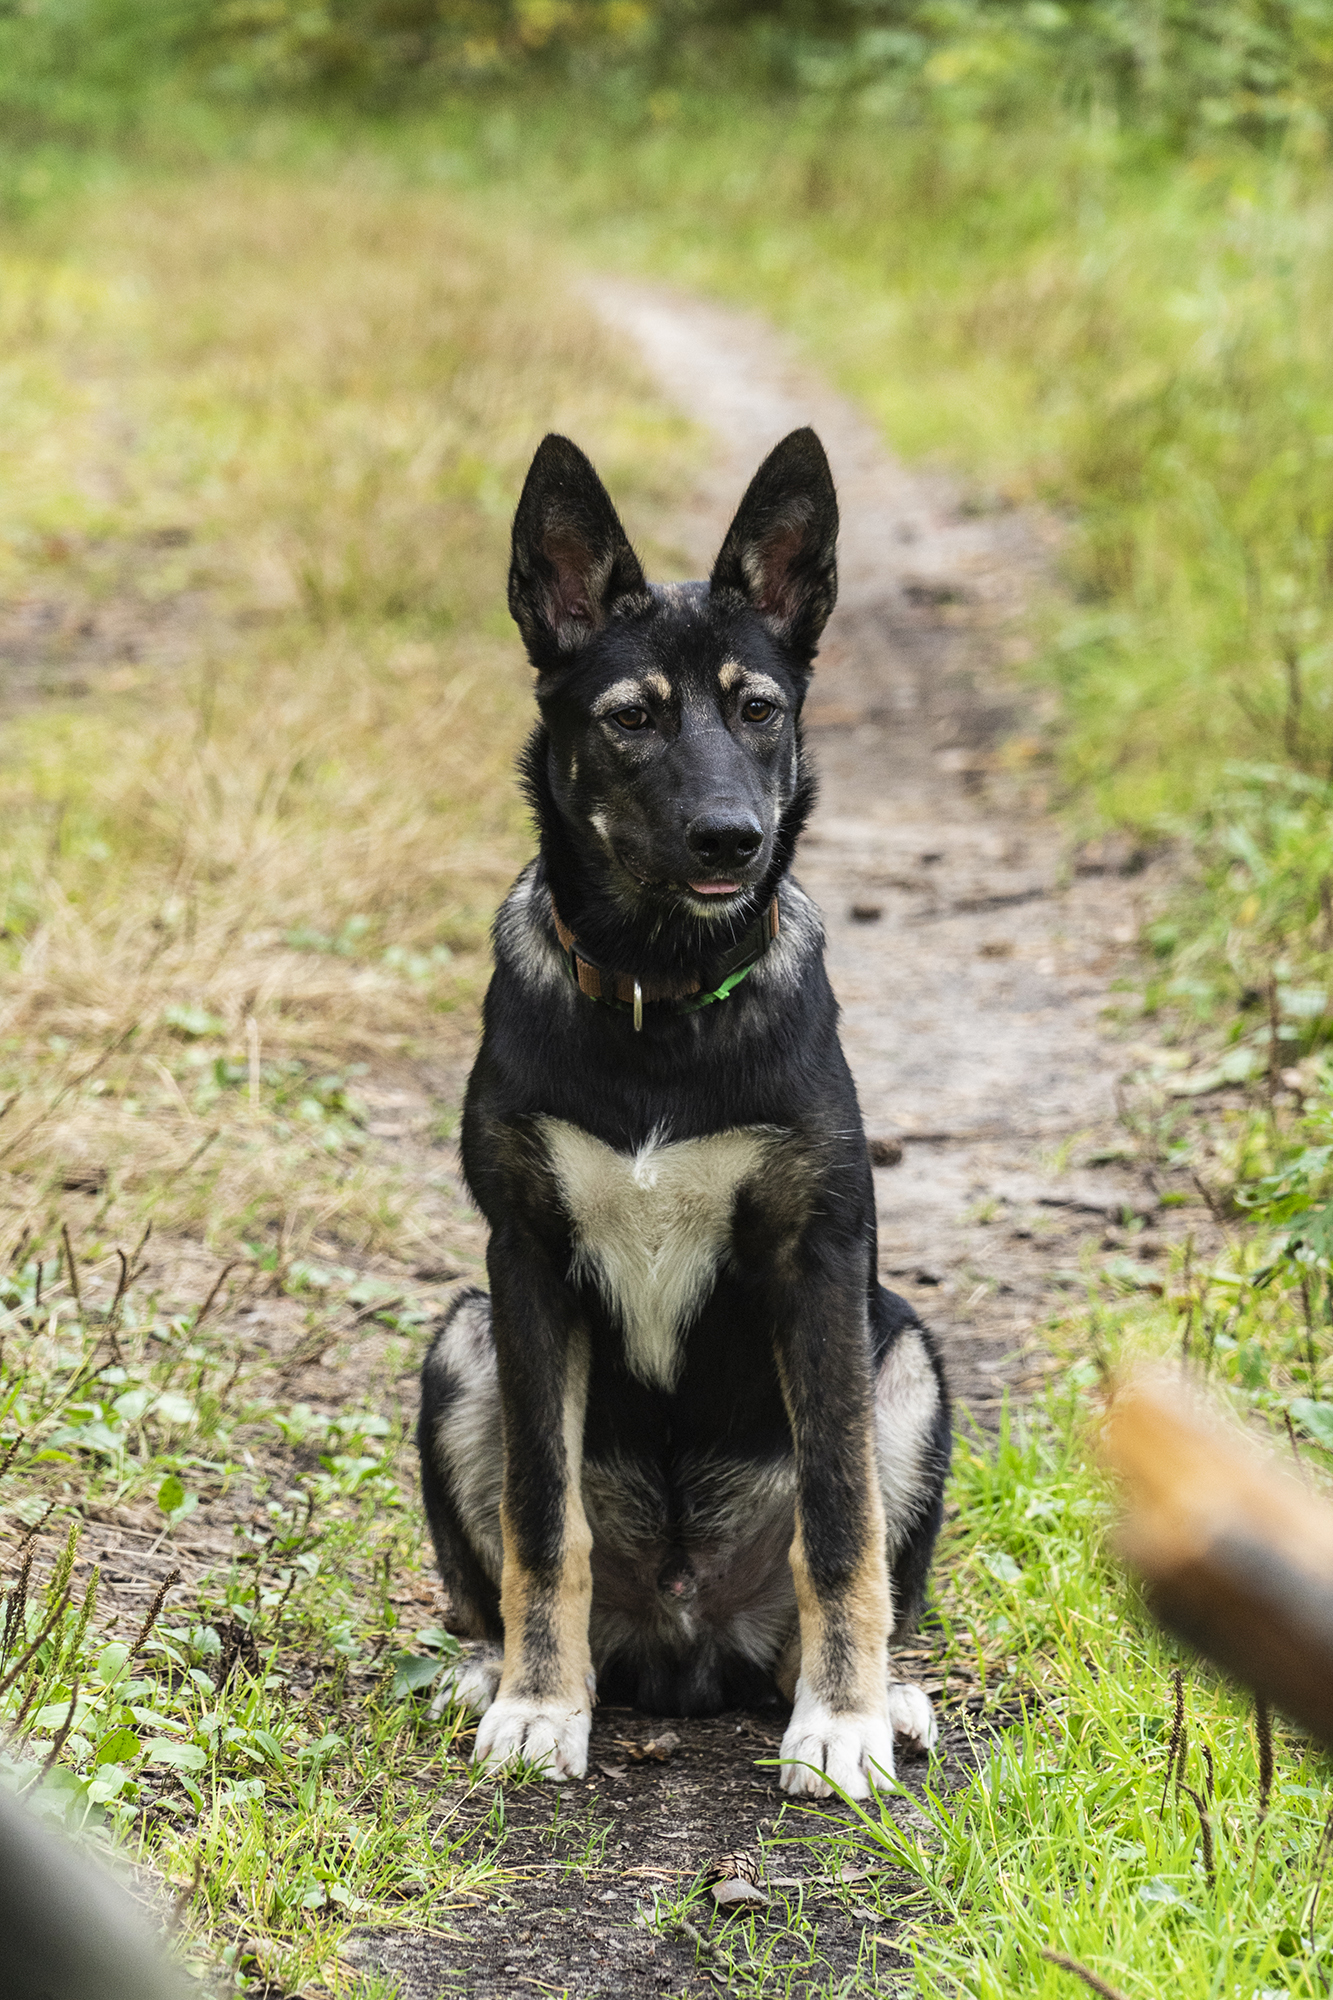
(308, 824)
(1062, 1841)
(264, 1751)
(1063, 313)
(262, 436)
(1110, 310)
(262, 1740)
(1073, 1836)
(1073, 317)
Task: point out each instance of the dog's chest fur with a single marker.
(651, 1228)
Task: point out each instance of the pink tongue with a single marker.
(715, 888)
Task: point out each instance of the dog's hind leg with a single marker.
(462, 1466)
(461, 1469)
(913, 1444)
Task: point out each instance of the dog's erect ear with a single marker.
(572, 564)
(781, 550)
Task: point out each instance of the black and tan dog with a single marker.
(687, 1449)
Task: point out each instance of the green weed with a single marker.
(268, 1752)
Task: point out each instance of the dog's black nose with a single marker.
(724, 836)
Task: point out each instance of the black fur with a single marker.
(688, 781)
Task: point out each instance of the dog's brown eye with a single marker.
(631, 718)
(760, 711)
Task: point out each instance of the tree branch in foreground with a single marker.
(1236, 1555)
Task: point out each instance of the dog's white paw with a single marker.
(821, 1750)
(912, 1716)
(528, 1732)
(470, 1685)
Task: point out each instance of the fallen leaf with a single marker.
(658, 1748)
(612, 1770)
(738, 1895)
(757, 1735)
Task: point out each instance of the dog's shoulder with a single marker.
(796, 955)
(527, 950)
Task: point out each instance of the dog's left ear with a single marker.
(780, 553)
(572, 564)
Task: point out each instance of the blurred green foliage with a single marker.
(1172, 67)
(1063, 312)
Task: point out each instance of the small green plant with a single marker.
(266, 1747)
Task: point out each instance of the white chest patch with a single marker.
(651, 1227)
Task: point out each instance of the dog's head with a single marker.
(671, 746)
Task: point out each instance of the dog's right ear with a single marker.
(780, 553)
(572, 564)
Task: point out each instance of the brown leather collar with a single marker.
(623, 988)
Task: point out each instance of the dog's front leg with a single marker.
(840, 1733)
(543, 1707)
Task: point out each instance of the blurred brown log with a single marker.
(1237, 1556)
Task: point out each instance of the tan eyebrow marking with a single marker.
(659, 685)
(621, 694)
(758, 687)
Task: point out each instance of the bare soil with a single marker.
(580, 1918)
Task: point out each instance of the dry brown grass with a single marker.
(263, 437)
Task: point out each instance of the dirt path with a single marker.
(972, 959)
(971, 952)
